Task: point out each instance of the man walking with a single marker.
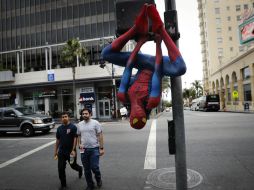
(65, 148)
(90, 141)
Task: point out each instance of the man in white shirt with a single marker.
(90, 139)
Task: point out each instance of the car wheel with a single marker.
(27, 131)
(46, 131)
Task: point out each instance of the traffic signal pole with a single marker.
(178, 117)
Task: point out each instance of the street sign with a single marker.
(235, 94)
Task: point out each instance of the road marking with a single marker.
(150, 159)
(42, 138)
(25, 154)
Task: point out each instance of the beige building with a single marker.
(228, 65)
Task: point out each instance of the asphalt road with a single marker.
(220, 148)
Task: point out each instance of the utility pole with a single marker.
(177, 103)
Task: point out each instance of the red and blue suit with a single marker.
(143, 91)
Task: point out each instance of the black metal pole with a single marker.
(178, 118)
(114, 94)
(74, 93)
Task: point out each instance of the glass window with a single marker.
(87, 10)
(228, 8)
(218, 21)
(76, 31)
(238, 17)
(246, 73)
(69, 13)
(43, 17)
(229, 28)
(229, 18)
(217, 10)
(17, 4)
(245, 6)
(9, 113)
(33, 39)
(231, 48)
(70, 33)
(219, 40)
(93, 8)
(230, 38)
(81, 10)
(53, 36)
(238, 7)
(218, 30)
(38, 38)
(59, 35)
(64, 35)
(64, 13)
(48, 16)
(247, 92)
(76, 11)
(58, 14)
(229, 94)
(99, 7)
(111, 8)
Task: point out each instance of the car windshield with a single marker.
(25, 110)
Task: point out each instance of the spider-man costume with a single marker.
(144, 90)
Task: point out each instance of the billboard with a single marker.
(246, 28)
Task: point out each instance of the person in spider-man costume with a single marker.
(144, 90)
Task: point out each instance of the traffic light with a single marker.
(126, 13)
(170, 20)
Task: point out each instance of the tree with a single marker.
(198, 88)
(72, 51)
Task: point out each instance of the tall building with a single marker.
(32, 34)
(227, 64)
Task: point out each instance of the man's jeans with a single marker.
(90, 161)
(62, 158)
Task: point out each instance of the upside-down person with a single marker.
(144, 90)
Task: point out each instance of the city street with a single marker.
(219, 145)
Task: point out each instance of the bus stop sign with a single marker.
(235, 94)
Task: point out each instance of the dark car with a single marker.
(22, 119)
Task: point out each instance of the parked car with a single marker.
(22, 119)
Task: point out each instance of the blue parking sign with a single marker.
(51, 75)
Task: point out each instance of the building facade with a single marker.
(227, 64)
(32, 34)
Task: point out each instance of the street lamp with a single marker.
(102, 65)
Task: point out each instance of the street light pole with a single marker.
(178, 118)
(114, 93)
(74, 92)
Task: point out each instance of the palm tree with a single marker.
(71, 52)
(198, 87)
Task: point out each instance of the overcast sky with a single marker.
(189, 43)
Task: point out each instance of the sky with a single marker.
(189, 42)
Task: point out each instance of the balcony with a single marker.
(65, 74)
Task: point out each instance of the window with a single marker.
(9, 113)
(219, 40)
(228, 8)
(231, 48)
(238, 17)
(229, 94)
(229, 18)
(238, 7)
(230, 38)
(218, 21)
(220, 51)
(247, 92)
(245, 6)
(217, 10)
(229, 28)
(246, 73)
(218, 30)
